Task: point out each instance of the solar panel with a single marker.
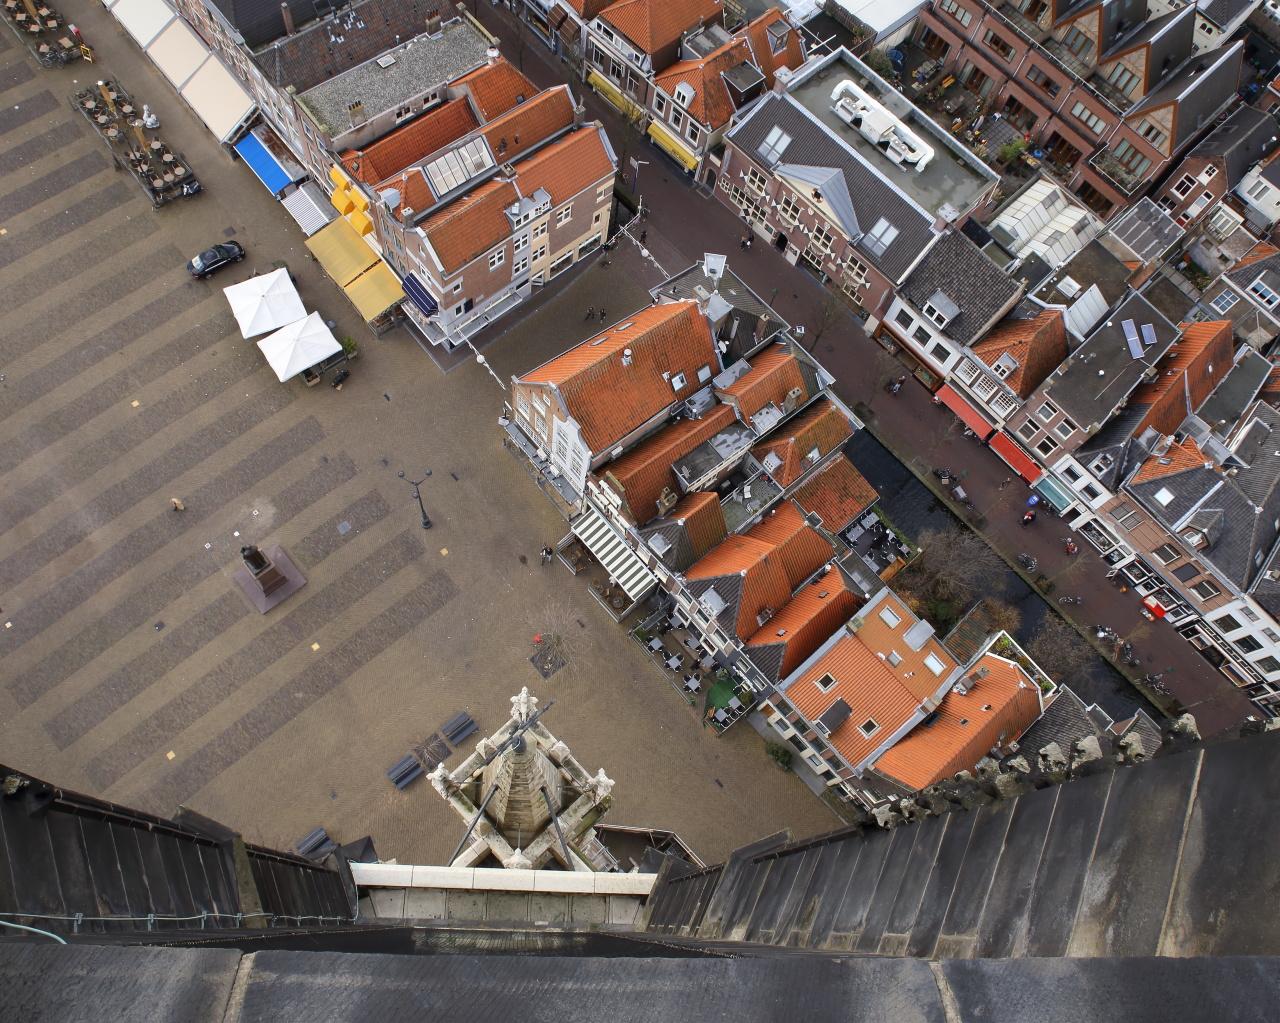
(1148, 334)
(1131, 338)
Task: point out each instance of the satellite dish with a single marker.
(713, 265)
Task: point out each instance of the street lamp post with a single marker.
(417, 495)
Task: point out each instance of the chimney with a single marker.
(355, 113)
(492, 54)
(286, 16)
(433, 22)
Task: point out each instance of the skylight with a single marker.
(774, 144)
(456, 168)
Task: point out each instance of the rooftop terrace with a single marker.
(953, 176)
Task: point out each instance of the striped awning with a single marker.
(620, 561)
(309, 206)
(420, 296)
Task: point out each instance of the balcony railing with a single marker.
(1114, 171)
(1029, 27)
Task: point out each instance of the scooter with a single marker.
(339, 379)
(1072, 547)
(1029, 517)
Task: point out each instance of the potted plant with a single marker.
(780, 755)
(349, 346)
(1011, 151)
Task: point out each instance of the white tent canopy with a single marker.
(299, 346)
(264, 303)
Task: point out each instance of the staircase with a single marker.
(1163, 858)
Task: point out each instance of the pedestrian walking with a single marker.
(742, 242)
(547, 554)
(643, 236)
(591, 312)
(1007, 481)
(177, 504)
(602, 314)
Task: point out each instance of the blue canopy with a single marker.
(263, 164)
(419, 295)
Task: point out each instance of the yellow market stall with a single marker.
(367, 281)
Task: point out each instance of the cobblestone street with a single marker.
(134, 669)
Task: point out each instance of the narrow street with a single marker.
(684, 222)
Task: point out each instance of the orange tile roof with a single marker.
(645, 471)
(865, 683)
(703, 520)
(1188, 374)
(1271, 386)
(471, 224)
(774, 373)
(772, 559)
(821, 426)
(806, 620)
(567, 166)
(911, 670)
(1179, 458)
(587, 9)
(532, 122)
(790, 56)
(1038, 344)
(1260, 251)
(996, 710)
(412, 142)
(711, 104)
(837, 493)
(608, 399)
(496, 88)
(653, 25)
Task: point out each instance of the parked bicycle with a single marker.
(1028, 562)
(1070, 600)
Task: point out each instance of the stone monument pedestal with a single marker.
(267, 576)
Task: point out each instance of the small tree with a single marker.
(1011, 150)
(879, 62)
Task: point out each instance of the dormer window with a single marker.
(1259, 290)
(678, 381)
(1005, 365)
(684, 94)
(774, 145)
(940, 309)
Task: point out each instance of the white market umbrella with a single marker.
(264, 303)
(299, 346)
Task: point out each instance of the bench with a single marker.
(405, 771)
(316, 845)
(459, 727)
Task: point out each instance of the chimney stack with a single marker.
(493, 54)
(433, 22)
(355, 113)
(286, 16)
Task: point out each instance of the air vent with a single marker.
(1069, 287)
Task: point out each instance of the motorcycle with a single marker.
(944, 474)
(1070, 600)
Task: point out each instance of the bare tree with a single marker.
(1056, 647)
(1003, 616)
(831, 313)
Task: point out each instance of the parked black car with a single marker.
(214, 259)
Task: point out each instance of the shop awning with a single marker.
(612, 93)
(1048, 488)
(342, 252)
(620, 561)
(143, 19)
(672, 146)
(218, 99)
(1019, 461)
(265, 167)
(420, 296)
(309, 206)
(969, 415)
(375, 291)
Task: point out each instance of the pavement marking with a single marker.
(72, 590)
(51, 186)
(203, 627)
(27, 110)
(305, 689)
(58, 137)
(254, 660)
(64, 222)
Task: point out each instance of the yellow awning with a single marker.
(672, 146)
(359, 198)
(341, 251)
(613, 94)
(338, 177)
(361, 222)
(342, 201)
(375, 291)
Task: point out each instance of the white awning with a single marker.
(620, 561)
(263, 303)
(143, 19)
(218, 99)
(299, 346)
(310, 207)
(178, 53)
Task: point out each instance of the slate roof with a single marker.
(1246, 380)
(1223, 12)
(408, 144)
(821, 427)
(1066, 720)
(711, 104)
(1001, 704)
(1244, 506)
(1241, 140)
(1038, 343)
(260, 21)
(691, 528)
(965, 275)
(1264, 260)
(1200, 87)
(837, 493)
(814, 145)
(801, 625)
(1102, 373)
(642, 473)
(496, 88)
(609, 400)
(653, 25)
(322, 51)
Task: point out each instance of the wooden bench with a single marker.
(405, 771)
(459, 727)
(316, 845)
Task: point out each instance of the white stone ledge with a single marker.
(403, 875)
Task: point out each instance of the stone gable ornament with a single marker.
(523, 705)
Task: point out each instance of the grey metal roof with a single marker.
(814, 145)
(828, 183)
(1094, 264)
(421, 64)
(1170, 35)
(1244, 137)
(1117, 440)
(962, 272)
(1102, 372)
(1236, 392)
(1224, 13)
(1066, 720)
(1147, 230)
(1201, 87)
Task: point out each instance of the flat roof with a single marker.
(954, 175)
(413, 68)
